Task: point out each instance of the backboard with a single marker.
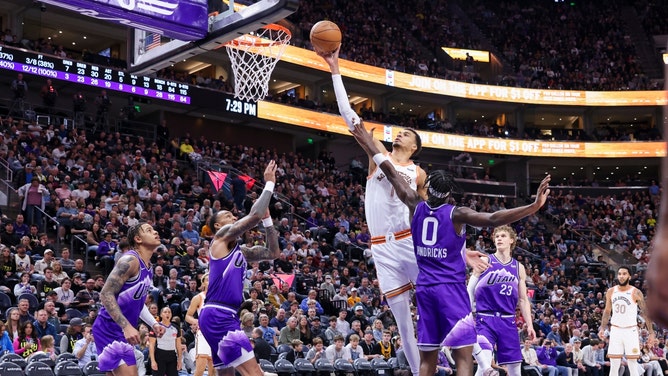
(150, 51)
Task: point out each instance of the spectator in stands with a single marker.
(105, 253)
(24, 286)
(289, 332)
(46, 262)
(86, 298)
(27, 342)
(13, 322)
(42, 325)
(261, 348)
(84, 349)
(279, 321)
(49, 95)
(337, 351)
(6, 343)
(311, 298)
(47, 284)
(385, 348)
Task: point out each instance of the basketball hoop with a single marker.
(254, 57)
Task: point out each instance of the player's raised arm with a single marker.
(403, 190)
(465, 215)
(231, 232)
(351, 118)
(260, 252)
(126, 267)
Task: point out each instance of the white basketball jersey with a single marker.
(385, 213)
(624, 308)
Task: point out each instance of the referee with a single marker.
(165, 351)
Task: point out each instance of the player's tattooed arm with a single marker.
(256, 213)
(126, 268)
(262, 253)
(643, 311)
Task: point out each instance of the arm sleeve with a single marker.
(473, 281)
(345, 110)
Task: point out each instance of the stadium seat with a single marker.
(362, 365)
(267, 366)
(41, 357)
(92, 369)
(34, 302)
(10, 369)
(72, 313)
(303, 365)
(283, 348)
(393, 363)
(5, 303)
(324, 365)
(344, 366)
(283, 366)
(380, 366)
(68, 368)
(38, 369)
(14, 358)
(65, 357)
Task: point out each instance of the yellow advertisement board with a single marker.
(309, 59)
(333, 123)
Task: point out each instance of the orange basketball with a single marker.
(325, 36)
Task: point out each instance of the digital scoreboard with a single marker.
(56, 68)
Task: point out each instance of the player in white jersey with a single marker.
(388, 219)
(203, 360)
(622, 305)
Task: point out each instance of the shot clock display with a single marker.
(48, 66)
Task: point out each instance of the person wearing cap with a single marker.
(218, 318)
(359, 314)
(353, 299)
(72, 335)
(555, 337)
(33, 197)
(122, 298)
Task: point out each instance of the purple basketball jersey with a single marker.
(497, 288)
(439, 250)
(132, 296)
(226, 281)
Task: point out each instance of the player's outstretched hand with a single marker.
(365, 138)
(331, 58)
(476, 260)
(543, 191)
(270, 172)
(657, 277)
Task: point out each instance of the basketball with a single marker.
(325, 36)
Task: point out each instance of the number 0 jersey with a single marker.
(439, 250)
(498, 287)
(624, 308)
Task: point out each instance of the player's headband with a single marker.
(437, 194)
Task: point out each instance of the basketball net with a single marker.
(254, 57)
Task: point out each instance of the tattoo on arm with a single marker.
(248, 222)
(257, 253)
(643, 312)
(123, 271)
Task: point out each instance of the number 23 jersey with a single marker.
(497, 288)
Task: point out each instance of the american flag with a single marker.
(151, 41)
